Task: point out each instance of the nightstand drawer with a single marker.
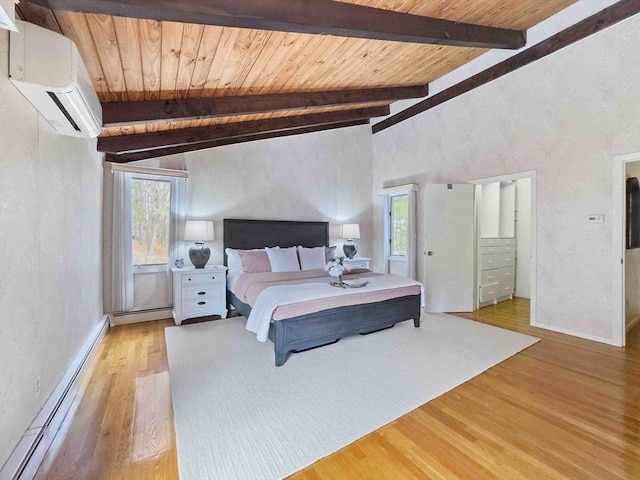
(201, 278)
(204, 291)
(200, 305)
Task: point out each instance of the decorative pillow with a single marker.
(234, 262)
(255, 261)
(312, 258)
(330, 252)
(283, 259)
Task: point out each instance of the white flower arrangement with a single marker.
(336, 266)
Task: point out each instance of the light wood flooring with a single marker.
(564, 408)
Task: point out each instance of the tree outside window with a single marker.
(399, 225)
(150, 210)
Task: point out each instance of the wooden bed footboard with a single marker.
(328, 326)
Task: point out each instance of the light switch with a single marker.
(599, 218)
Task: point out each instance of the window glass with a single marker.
(399, 225)
(150, 204)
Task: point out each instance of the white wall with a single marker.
(632, 267)
(564, 116)
(323, 176)
(50, 281)
(523, 238)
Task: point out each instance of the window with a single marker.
(150, 210)
(399, 224)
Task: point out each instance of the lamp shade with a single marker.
(350, 230)
(199, 231)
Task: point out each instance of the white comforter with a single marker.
(272, 297)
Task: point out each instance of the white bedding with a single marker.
(272, 297)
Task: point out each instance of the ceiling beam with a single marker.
(323, 17)
(151, 111)
(173, 138)
(162, 152)
(590, 25)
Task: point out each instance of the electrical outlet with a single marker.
(36, 385)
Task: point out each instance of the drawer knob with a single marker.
(202, 293)
(189, 279)
(213, 278)
(202, 303)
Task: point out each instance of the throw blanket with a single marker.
(270, 298)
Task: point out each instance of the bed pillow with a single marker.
(312, 258)
(283, 259)
(255, 261)
(330, 253)
(234, 262)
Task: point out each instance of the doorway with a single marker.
(506, 242)
(626, 256)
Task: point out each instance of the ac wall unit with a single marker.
(47, 68)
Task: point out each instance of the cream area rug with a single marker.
(237, 416)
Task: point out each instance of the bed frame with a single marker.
(301, 333)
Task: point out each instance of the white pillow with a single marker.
(283, 259)
(234, 262)
(312, 258)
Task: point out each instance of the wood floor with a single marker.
(564, 408)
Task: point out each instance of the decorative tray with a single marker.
(356, 283)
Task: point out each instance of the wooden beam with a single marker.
(323, 17)
(161, 152)
(129, 113)
(173, 138)
(588, 26)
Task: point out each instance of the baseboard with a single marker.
(25, 459)
(566, 331)
(632, 324)
(127, 318)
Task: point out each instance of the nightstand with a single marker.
(358, 262)
(198, 292)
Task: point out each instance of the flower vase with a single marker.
(338, 282)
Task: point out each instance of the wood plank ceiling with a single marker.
(144, 60)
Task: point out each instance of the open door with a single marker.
(449, 255)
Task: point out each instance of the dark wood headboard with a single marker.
(248, 234)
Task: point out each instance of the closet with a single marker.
(497, 246)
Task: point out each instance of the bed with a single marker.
(303, 332)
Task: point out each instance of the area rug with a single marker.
(237, 416)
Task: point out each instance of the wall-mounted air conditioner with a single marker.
(47, 68)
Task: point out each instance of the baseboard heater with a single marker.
(24, 461)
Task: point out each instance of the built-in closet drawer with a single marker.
(489, 292)
(497, 260)
(497, 249)
(493, 242)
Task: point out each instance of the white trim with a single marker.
(567, 331)
(24, 461)
(533, 292)
(127, 318)
(399, 190)
(163, 172)
(618, 327)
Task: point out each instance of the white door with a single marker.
(449, 248)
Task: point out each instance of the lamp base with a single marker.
(199, 255)
(349, 249)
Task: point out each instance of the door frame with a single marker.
(410, 190)
(618, 249)
(531, 174)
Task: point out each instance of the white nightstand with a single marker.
(198, 292)
(358, 262)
